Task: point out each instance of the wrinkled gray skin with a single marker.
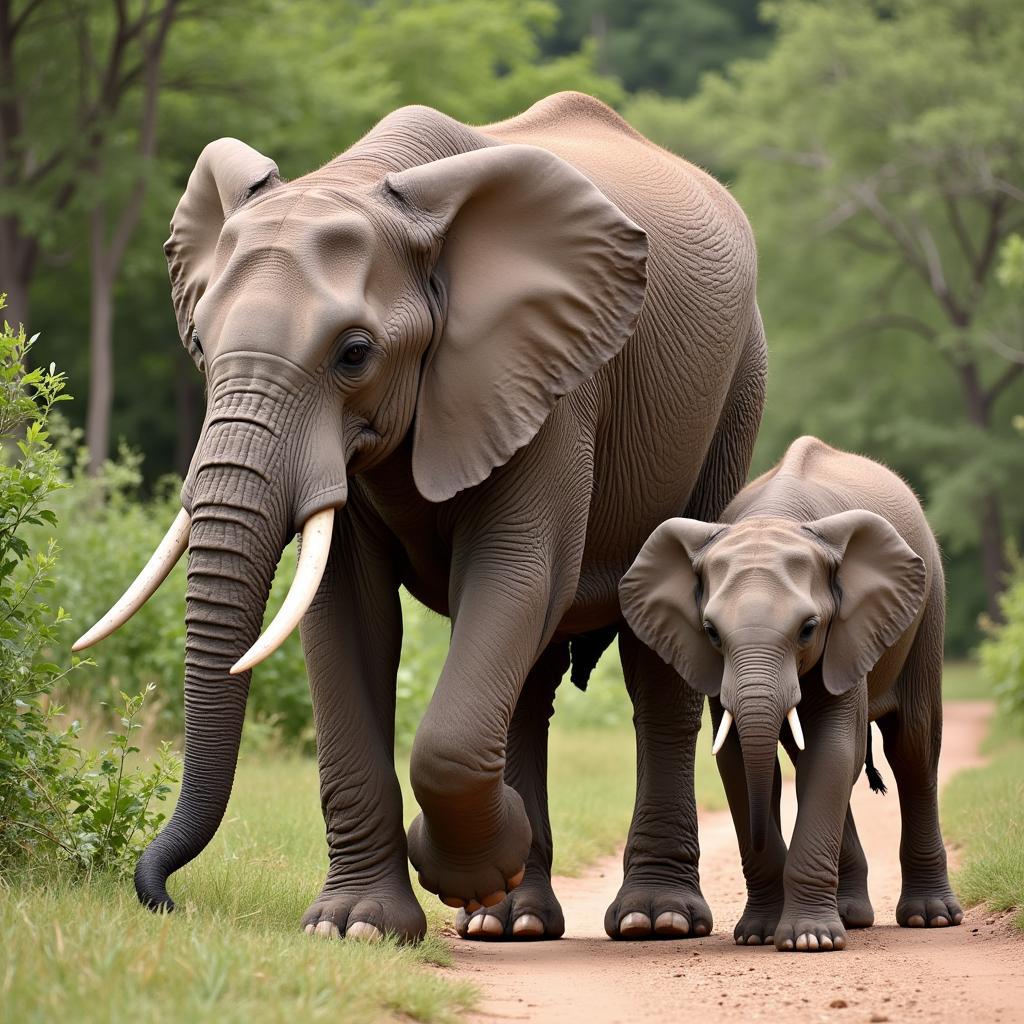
(440, 334)
(820, 586)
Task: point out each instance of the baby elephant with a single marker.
(821, 587)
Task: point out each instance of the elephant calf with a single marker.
(821, 585)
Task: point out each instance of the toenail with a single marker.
(939, 922)
(700, 928)
(491, 925)
(310, 928)
(826, 942)
(787, 943)
(528, 925)
(671, 923)
(327, 930)
(801, 941)
(753, 940)
(475, 924)
(635, 924)
(915, 921)
(363, 931)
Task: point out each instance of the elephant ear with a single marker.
(227, 173)
(661, 600)
(544, 278)
(881, 589)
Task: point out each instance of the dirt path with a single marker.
(973, 973)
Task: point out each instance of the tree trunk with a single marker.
(17, 262)
(101, 349)
(988, 511)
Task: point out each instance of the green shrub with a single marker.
(53, 796)
(1002, 652)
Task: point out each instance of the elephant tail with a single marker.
(586, 650)
(874, 777)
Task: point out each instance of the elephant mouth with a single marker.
(315, 547)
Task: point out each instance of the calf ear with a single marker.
(661, 600)
(881, 585)
(545, 279)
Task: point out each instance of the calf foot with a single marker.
(658, 910)
(938, 909)
(368, 914)
(474, 878)
(530, 913)
(803, 932)
(757, 925)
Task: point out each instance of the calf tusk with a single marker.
(316, 546)
(794, 724)
(723, 731)
(164, 559)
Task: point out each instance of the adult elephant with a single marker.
(434, 357)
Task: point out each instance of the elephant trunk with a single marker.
(240, 524)
(760, 701)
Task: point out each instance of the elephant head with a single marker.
(452, 302)
(744, 611)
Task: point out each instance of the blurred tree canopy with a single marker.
(875, 145)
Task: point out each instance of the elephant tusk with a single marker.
(163, 560)
(794, 724)
(316, 546)
(723, 731)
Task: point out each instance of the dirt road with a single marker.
(971, 973)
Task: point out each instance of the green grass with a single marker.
(83, 949)
(981, 812)
(962, 679)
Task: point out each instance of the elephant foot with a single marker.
(366, 915)
(855, 910)
(810, 933)
(472, 879)
(939, 909)
(530, 913)
(646, 910)
(757, 925)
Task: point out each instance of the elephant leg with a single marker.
(352, 637)
(825, 773)
(912, 737)
(530, 911)
(660, 894)
(855, 908)
(762, 871)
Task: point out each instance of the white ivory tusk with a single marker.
(164, 559)
(723, 731)
(316, 546)
(794, 724)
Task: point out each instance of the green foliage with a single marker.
(53, 797)
(1002, 652)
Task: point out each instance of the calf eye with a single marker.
(807, 630)
(712, 634)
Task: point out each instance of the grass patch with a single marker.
(982, 814)
(84, 949)
(962, 679)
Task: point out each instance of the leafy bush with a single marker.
(53, 796)
(1002, 652)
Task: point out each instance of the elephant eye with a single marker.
(354, 352)
(196, 342)
(712, 634)
(807, 630)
